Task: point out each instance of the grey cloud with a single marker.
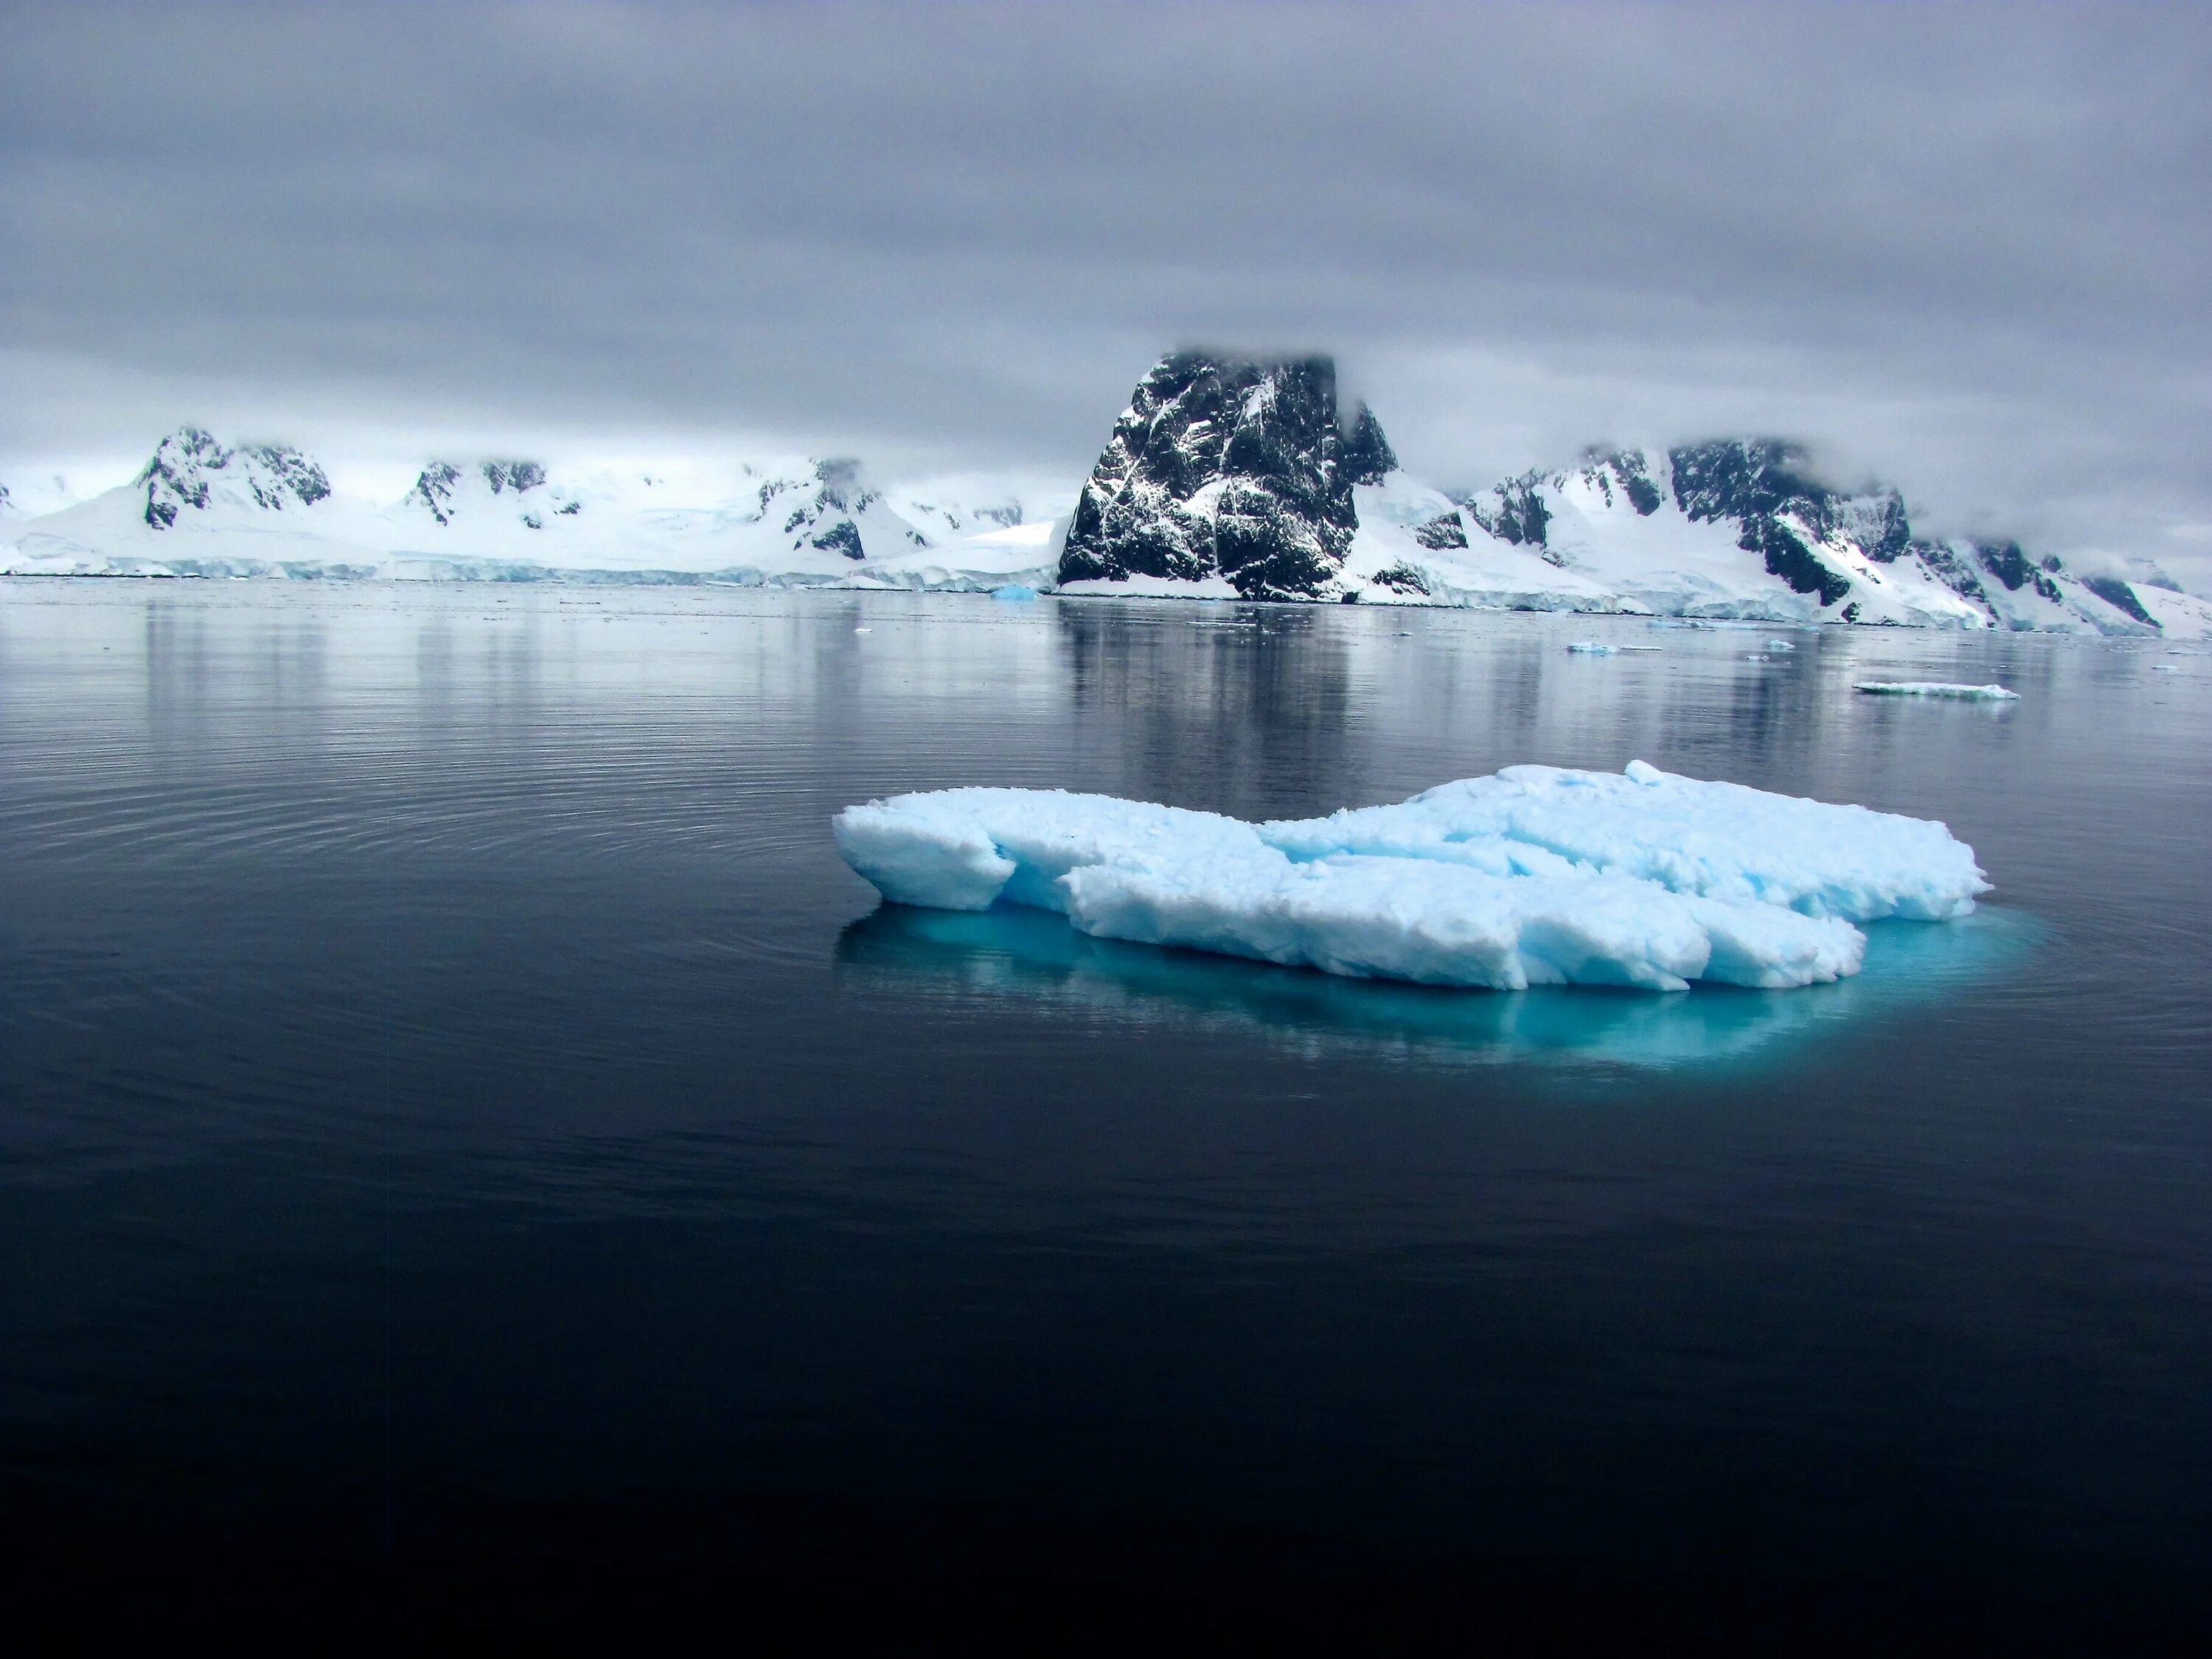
(1965, 247)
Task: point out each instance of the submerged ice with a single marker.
(1536, 876)
(1936, 689)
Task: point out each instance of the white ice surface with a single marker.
(1936, 689)
(1537, 875)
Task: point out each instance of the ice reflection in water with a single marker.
(1013, 951)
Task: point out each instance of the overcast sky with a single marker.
(1966, 248)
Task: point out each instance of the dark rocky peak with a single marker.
(434, 487)
(1622, 475)
(189, 464)
(1514, 511)
(177, 476)
(2115, 591)
(1768, 487)
(2009, 565)
(1877, 521)
(1959, 574)
(1368, 456)
(837, 481)
(828, 508)
(1746, 478)
(441, 486)
(1228, 466)
(517, 476)
(276, 471)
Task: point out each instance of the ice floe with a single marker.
(1936, 689)
(1537, 875)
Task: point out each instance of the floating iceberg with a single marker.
(1014, 593)
(1936, 689)
(1592, 648)
(1536, 876)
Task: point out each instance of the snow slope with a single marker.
(200, 508)
(1537, 875)
(1222, 481)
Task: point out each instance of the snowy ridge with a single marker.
(1734, 530)
(1537, 875)
(1224, 478)
(201, 509)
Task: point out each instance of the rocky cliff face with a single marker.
(1766, 487)
(447, 491)
(1222, 467)
(190, 469)
(834, 512)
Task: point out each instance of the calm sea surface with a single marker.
(452, 1098)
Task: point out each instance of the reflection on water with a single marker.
(1015, 951)
(437, 1047)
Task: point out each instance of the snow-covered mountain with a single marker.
(1225, 477)
(1229, 476)
(1228, 472)
(1742, 528)
(200, 508)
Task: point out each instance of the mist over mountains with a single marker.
(1225, 477)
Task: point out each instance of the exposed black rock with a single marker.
(181, 474)
(1404, 579)
(844, 537)
(1514, 511)
(433, 488)
(1759, 483)
(1224, 466)
(277, 470)
(826, 512)
(2010, 566)
(1961, 576)
(1443, 532)
(177, 476)
(1624, 470)
(2121, 596)
(1368, 457)
(518, 475)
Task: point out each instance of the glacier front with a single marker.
(1537, 875)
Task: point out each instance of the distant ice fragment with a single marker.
(1780, 645)
(1593, 648)
(1936, 689)
(2164, 668)
(1537, 875)
(1014, 593)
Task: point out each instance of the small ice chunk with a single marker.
(1593, 648)
(1780, 645)
(861, 630)
(1537, 875)
(1936, 689)
(1014, 593)
(2164, 668)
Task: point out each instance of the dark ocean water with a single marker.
(461, 1127)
